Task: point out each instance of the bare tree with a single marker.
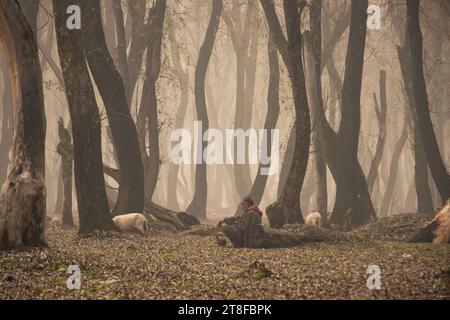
(130, 196)
(22, 198)
(93, 207)
(65, 150)
(287, 208)
(440, 175)
(198, 204)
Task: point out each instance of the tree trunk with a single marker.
(273, 112)
(424, 199)
(198, 204)
(381, 112)
(183, 80)
(287, 208)
(313, 51)
(389, 192)
(148, 112)
(65, 149)
(121, 48)
(351, 185)
(435, 162)
(112, 90)
(22, 198)
(93, 207)
(7, 123)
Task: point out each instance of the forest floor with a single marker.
(191, 265)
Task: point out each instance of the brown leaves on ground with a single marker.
(191, 265)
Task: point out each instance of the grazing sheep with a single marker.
(132, 222)
(314, 219)
(56, 223)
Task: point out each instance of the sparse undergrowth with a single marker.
(191, 266)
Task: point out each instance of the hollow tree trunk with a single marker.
(112, 90)
(273, 112)
(440, 175)
(22, 198)
(381, 112)
(198, 204)
(65, 150)
(423, 192)
(287, 208)
(93, 206)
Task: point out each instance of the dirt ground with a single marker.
(191, 266)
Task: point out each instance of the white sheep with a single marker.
(56, 223)
(314, 219)
(132, 222)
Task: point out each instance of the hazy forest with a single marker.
(224, 149)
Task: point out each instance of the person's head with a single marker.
(246, 203)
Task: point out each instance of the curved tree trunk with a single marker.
(389, 192)
(183, 80)
(93, 206)
(273, 112)
(148, 112)
(65, 149)
(287, 208)
(112, 90)
(198, 204)
(22, 198)
(423, 192)
(381, 112)
(440, 175)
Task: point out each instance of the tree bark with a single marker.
(287, 208)
(389, 192)
(65, 149)
(22, 198)
(183, 80)
(112, 90)
(273, 112)
(440, 175)
(148, 126)
(423, 192)
(198, 204)
(7, 123)
(93, 207)
(381, 112)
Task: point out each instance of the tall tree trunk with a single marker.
(65, 149)
(273, 112)
(112, 90)
(7, 123)
(313, 50)
(381, 112)
(59, 192)
(121, 47)
(424, 199)
(183, 80)
(22, 198)
(287, 208)
(93, 206)
(240, 36)
(351, 185)
(148, 112)
(440, 175)
(389, 192)
(198, 204)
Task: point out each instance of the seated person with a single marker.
(244, 230)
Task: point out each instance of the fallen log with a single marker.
(437, 230)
